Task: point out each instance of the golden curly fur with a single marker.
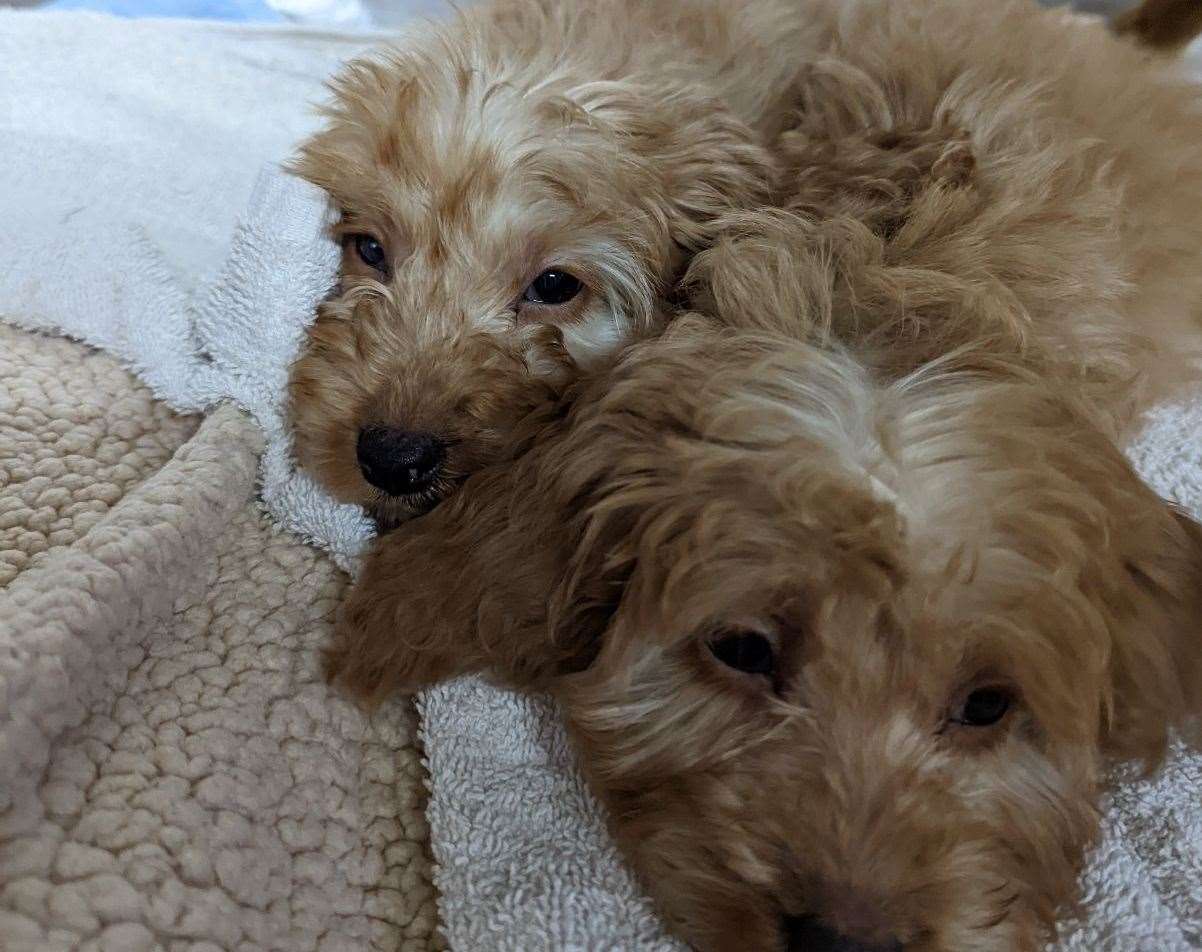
(899, 546)
(987, 171)
(844, 585)
(597, 138)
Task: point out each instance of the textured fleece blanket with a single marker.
(173, 773)
(206, 792)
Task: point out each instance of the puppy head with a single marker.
(842, 661)
(870, 649)
(515, 190)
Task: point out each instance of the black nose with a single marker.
(397, 461)
(808, 934)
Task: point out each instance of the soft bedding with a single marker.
(172, 772)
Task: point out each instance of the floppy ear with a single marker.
(519, 573)
(470, 587)
(1156, 659)
(459, 591)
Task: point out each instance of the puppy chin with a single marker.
(390, 512)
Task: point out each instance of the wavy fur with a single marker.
(600, 137)
(889, 446)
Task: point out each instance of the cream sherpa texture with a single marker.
(173, 774)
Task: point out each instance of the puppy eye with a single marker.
(370, 251)
(745, 651)
(984, 707)
(552, 287)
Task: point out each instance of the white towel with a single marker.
(114, 212)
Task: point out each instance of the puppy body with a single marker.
(898, 546)
(597, 139)
(989, 172)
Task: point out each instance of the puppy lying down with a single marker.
(518, 188)
(842, 657)
(844, 585)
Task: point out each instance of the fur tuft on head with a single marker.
(519, 190)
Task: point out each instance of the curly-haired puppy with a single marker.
(843, 658)
(984, 171)
(846, 589)
(517, 189)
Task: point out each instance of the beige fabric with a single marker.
(174, 775)
(75, 437)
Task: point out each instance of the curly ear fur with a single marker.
(1157, 668)
(712, 161)
(518, 574)
(445, 595)
(490, 582)
(402, 630)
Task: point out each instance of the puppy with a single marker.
(518, 188)
(846, 590)
(843, 658)
(984, 172)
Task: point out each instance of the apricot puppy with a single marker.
(517, 189)
(843, 659)
(994, 173)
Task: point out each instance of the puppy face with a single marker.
(842, 660)
(870, 650)
(515, 194)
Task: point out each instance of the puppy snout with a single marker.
(399, 462)
(808, 934)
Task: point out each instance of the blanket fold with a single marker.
(174, 773)
(63, 624)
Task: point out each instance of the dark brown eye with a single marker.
(984, 707)
(552, 287)
(745, 651)
(370, 252)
